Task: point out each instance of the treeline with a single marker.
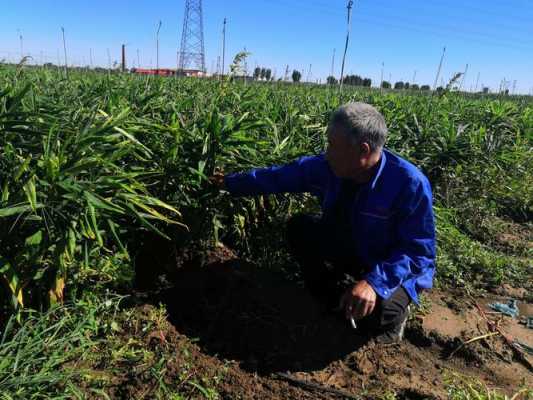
(264, 74)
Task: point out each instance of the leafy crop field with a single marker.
(104, 180)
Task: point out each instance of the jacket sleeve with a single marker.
(306, 174)
(415, 252)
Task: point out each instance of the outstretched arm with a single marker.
(307, 174)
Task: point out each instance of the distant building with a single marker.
(168, 72)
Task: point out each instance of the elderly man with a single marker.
(372, 251)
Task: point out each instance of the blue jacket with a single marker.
(392, 215)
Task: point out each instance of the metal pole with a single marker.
(224, 46)
(477, 81)
(414, 78)
(464, 76)
(91, 57)
(333, 64)
(350, 5)
(381, 82)
(438, 70)
(65, 49)
(157, 48)
(138, 59)
(21, 44)
(123, 66)
(108, 62)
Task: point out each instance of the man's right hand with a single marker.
(217, 180)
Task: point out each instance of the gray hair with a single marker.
(363, 122)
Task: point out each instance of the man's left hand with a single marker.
(359, 301)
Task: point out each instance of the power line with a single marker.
(415, 26)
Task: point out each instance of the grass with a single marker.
(98, 348)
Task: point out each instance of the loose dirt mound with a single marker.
(265, 325)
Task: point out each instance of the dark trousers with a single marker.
(329, 268)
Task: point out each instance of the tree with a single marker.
(425, 87)
(257, 72)
(386, 85)
(406, 85)
(332, 80)
(263, 73)
(415, 87)
(296, 76)
(398, 85)
(367, 82)
(268, 74)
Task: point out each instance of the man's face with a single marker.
(346, 159)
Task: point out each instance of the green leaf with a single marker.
(35, 239)
(31, 193)
(20, 209)
(8, 273)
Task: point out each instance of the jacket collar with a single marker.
(379, 171)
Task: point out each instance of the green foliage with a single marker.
(88, 165)
(465, 388)
(296, 76)
(89, 348)
(331, 80)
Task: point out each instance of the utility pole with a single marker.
(245, 66)
(514, 87)
(463, 80)
(333, 64)
(21, 39)
(108, 62)
(286, 73)
(224, 46)
(192, 49)
(414, 78)
(65, 49)
(138, 59)
(381, 81)
(350, 5)
(477, 81)
(309, 72)
(91, 57)
(157, 48)
(440, 67)
(123, 64)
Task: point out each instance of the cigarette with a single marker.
(352, 321)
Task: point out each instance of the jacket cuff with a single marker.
(229, 183)
(378, 285)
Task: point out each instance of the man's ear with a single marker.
(365, 149)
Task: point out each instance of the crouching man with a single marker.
(372, 250)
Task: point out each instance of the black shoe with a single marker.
(396, 333)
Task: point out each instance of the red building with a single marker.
(168, 72)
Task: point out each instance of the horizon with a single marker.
(408, 38)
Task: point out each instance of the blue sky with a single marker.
(495, 37)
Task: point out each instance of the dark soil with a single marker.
(259, 325)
